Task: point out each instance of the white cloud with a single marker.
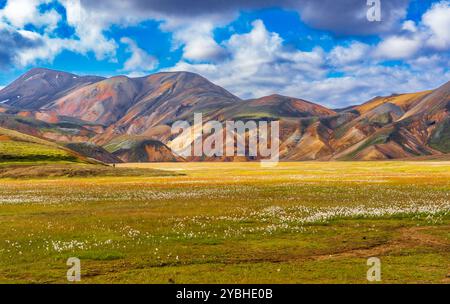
(196, 36)
(431, 34)
(140, 61)
(22, 12)
(199, 46)
(252, 64)
(398, 47)
(91, 22)
(46, 49)
(89, 27)
(369, 81)
(410, 26)
(438, 20)
(259, 65)
(355, 52)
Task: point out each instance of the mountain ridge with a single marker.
(103, 110)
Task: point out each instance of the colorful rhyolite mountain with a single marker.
(129, 119)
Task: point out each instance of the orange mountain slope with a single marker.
(136, 115)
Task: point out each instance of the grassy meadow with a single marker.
(306, 222)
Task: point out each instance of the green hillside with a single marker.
(16, 147)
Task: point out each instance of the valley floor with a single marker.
(231, 223)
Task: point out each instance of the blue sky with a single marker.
(324, 51)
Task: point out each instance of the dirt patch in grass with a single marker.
(409, 237)
(75, 170)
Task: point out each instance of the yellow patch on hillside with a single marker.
(404, 101)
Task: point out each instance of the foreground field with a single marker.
(232, 223)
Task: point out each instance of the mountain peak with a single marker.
(40, 70)
(278, 96)
(146, 107)
(181, 73)
(40, 86)
(44, 72)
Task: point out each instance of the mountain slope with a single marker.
(168, 97)
(94, 152)
(275, 107)
(432, 104)
(103, 102)
(40, 86)
(399, 126)
(132, 118)
(140, 149)
(62, 131)
(403, 101)
(18, 148)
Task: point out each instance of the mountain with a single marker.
(141, 149)
(399, 126)
(275, 107)
(93, 151)
(165, 98)
(38, 87)
(155, 99)
(129, 119)
(403, 101)
(108, 108)
(16, 147)
(63, 130)
(25, 156)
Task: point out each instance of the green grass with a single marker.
(16, 147)
(73, 170)
(15, 151)
(231, 223)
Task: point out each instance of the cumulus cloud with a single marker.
(437, 19)
(22, 12)
(431, 34)
(350, 16)
(192, 23)
(19, 46)
(345, 55)
(259, 64)
(368, 81)
(24, 47)
(398, 47)
(140, 61)
(196, 37)
(21, 42)
(410, 26)
(89, 28)
(200, 47)
(343, 17)
(249, 64)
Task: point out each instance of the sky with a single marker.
(325, 51)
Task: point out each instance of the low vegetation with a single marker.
(24, 157)
(17, 147)
(20, 171)
(231, 223)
